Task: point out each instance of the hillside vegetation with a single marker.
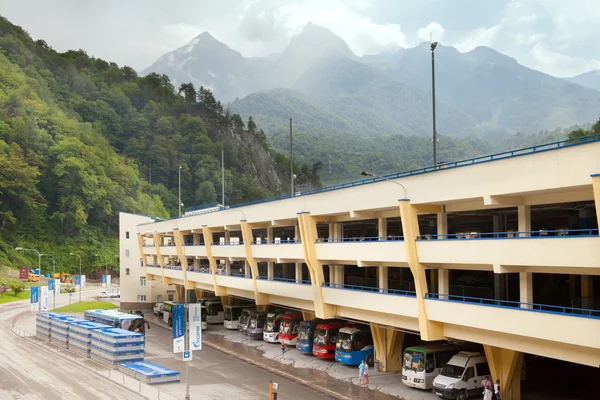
(79, 137)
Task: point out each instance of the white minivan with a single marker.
(462, 375)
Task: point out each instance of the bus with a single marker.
(306, 333)
(168, 312)
(422, 363)
(231, 315)
(214, 311)
(326, 337)
(129, 322)
(354, 344)
(256, 324)
(244, 319)
(288, 329)
(272, 325)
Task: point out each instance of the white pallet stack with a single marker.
(80, 336)
(113, 345)
(60, 329)
(43, 324)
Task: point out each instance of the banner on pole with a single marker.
(103, 280)
(83, 281)
(56, 287)
(44, 298)
(195, 326)
(51, 285)
(34, 297)
(108, 284)
(77, 282)
(178, 326)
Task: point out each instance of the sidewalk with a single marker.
(336, 380)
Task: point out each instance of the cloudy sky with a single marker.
(558, 37)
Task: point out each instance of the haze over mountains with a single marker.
(322, 83)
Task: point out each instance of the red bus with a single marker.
(288, 330)
(326, 338)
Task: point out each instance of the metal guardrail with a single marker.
(291, 241)
(539, 234)
(456, 164)
(361, 239)
(370, 289)
(285, 280)
(227, 243)
(516, 305)
(233, 275)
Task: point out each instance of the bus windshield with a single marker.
(244, 316)
(320, 337)
(414, 360)
(213, 308)
(228, 315)
(453, 371)
(270, 325)
(304, 333)
(286, 327)
(344, 342)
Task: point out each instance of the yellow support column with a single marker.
(208, 238)
(308, 315)
(388, 348)
(260, 298)
(161, 261)
(179, 292)
(140, 238)
(178, 239)
(505, 365)
(308, 233)
(410, 226)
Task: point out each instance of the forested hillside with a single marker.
(79, 137)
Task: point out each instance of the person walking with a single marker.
(497, 389)
(488, 394)
(366, 374)
(361, 372)
(486, 383)
(282, 350)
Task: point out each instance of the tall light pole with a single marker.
(291, 160)
(433, 46)
(105, 267)
(383, 177)
(223, 177)
(180, 191)
(53, 277)
(39, 271)
(78, 255)
(185, 314)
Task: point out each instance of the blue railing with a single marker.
(291, 241)
(168, 245)
(249, 276)
(545, 308)
(371, 289)
(228, 243)
(194, 244)
(173, 267)
(153, 265)
(361, 239)
(555, 233)
(286, 280)
(200, 271)
(202, 206)
(456, 164)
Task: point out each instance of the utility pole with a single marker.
(291, 159)
(433, 46)
(180, 191)
(223, 177)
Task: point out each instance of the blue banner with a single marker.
(51, 285)
(34, 294)
(77, 280)
(178, 321)
(104, 279)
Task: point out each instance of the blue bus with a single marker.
(129, 322)
(354, 344)
(306, 335)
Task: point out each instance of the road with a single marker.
(217, 376)
(31, 372)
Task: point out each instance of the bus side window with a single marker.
(429, 364)
(441, 359)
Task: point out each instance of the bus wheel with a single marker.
(462, 395)
(370, 360)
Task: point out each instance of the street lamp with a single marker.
(105, 266)
(383, 177)
(185, 314)
(75, 254)
(433, 46)
(39, 270)
(179, 191)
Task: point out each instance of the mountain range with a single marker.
(317, 77)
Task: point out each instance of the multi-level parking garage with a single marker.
(501, 250)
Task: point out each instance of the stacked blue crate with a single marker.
(149, 372)
(80, 336)
(114, 345)
(42, 324)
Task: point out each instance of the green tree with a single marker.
(16, 288)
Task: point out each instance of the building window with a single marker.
(126, 252)
(141, 297)
(143, 281)
(170, 296)
(126, 271)
(126, 235)
(141, 262)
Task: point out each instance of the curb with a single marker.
(274, 371)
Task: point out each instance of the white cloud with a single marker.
(433, 31)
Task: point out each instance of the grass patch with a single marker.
(9, 297)
(86, 305)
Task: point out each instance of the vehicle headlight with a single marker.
(450, 386)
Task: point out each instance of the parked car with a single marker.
(103, 295)
(461, 377)
(158, 309)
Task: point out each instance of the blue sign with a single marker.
(104, 279)
(51, 285)
(187, 355)
(77, 280)
(178, 320)
(34, 294)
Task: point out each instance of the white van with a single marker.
(461, 377)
